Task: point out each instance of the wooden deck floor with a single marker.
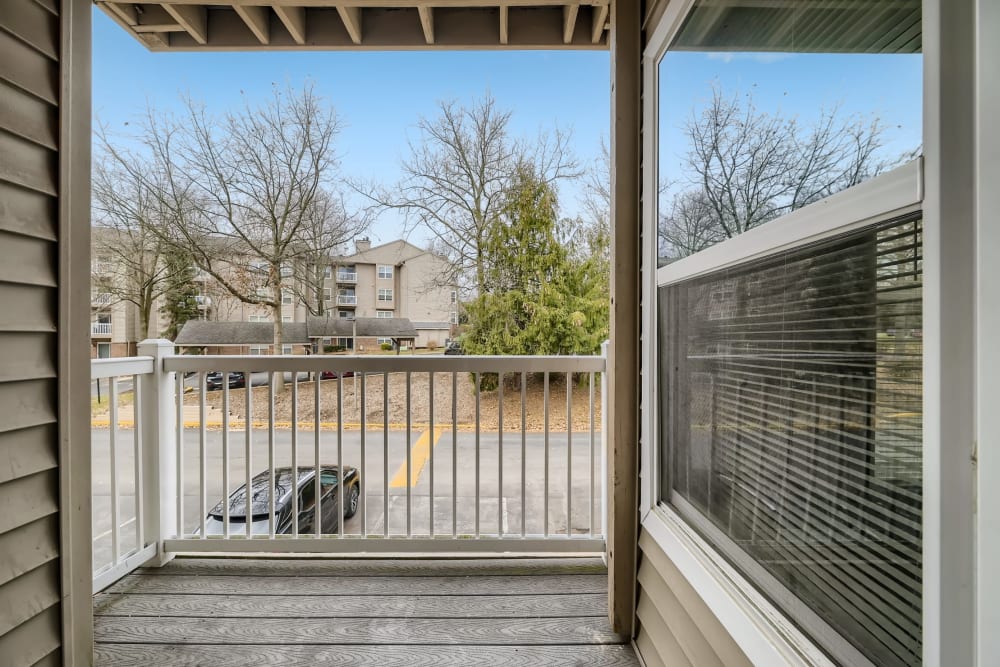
(412, 613)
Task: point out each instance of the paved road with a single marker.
(496, 510)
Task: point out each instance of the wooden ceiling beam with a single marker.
(351, 16)
(569, 22)
(194, 19)
(294, 19)
(427, 22)
(258, 19)
(397, 4)
(599, 23)
(504, 24)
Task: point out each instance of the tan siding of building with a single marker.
(675, 627)
(37, 577)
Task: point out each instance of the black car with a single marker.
(453, 347)
(261, 498)
(214, 380)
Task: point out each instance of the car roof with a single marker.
(260, 496)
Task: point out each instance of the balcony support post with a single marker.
(159, 441)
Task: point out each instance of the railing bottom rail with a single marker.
(388, 545)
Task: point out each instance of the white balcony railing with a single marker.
(100, 299)
(442, 466)
(347, 300)
(203, 301)
(100, 328)
(347, 276)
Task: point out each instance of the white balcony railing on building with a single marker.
(100, 328)
(347, 300)
(441, 468)
(347, 276)
(100, 299)
(203, 301)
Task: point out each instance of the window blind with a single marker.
(791, 428)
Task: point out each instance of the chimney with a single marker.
(363, 245)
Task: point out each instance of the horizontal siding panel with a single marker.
(707, 623)
(28, 499)
(33, 640)
(28, 164)
(645, 648)
(49, 5)
(27, 308)
(27, 116)
(694, 644)
(28, 260)
(27, 451)
(53, 659)
(667, 647)
(28, 69)
(27, 212)
(27, 403)
(32, 24)
(28, 595)
(27, 547)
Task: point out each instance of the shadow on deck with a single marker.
(222, 612)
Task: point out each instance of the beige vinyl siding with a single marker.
(30, 567)
(675, 626)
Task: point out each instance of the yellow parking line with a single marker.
(419, 455)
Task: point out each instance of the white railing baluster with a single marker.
(270, 455)
(477, 380)
(295, 453)
(202, 451)
(385, 455)
(409, 414)
(340, 455)
(500, 455)
(430, 462)
(590, 497)
(569, 454)
(179, 431)
(225, 454)
(545, 435)
(113, 462)
(137, 441)
(524, 450)
(248, 455)
(317, 489)
(363, 482)
(454, 454)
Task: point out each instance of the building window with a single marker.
(259, 318)
(327, 294)
(286, 318)
(385, 295)
(287, 349)
(328, 272)
(345, 314)
(454, 317)
(287, 296)
(383, 314)
(454, 296)
(384, 341)
(385, 271)
(286, 270)
(258, 350)
(346, 343)
(262, 293)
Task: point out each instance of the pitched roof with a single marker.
(199, 332)
(339, 327)
(294, 333)
(432, 325)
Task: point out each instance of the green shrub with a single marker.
(386, 346)
(329, 348)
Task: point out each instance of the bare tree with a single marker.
(457, 177)
(690, 225)
(242, 188)
(128, 237)
(751, 166)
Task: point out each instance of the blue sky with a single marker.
(380, 96)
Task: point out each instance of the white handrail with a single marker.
(424, 363)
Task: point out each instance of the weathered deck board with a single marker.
(385, 631)
(418, 613)
(160, 655)
(304, 567)
(474, 585)
(355, 606)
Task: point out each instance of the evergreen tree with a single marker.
(179, 296)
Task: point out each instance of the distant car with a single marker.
(453, 347)
(214, 380)
(333, 375)
(261, 497)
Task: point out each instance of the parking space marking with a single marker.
(419, 455)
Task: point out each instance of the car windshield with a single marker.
(260, 492)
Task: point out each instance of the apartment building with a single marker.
(392, 280)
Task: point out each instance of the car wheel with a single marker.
(352, 500)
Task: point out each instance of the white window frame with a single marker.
(454, 296)
(761, 630)
(383, 341)
(385, 295)
(454, 317)
(287, 296)
(327, 294)
(287, 348)
(384, 314)
(384, 269)
(328, 272)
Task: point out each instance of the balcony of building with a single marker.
(481, 504)
(347, 277)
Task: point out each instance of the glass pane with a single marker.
(766, 107)
(791, 411)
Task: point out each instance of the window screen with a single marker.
(792, 430)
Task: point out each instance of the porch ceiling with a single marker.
(194, 25)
